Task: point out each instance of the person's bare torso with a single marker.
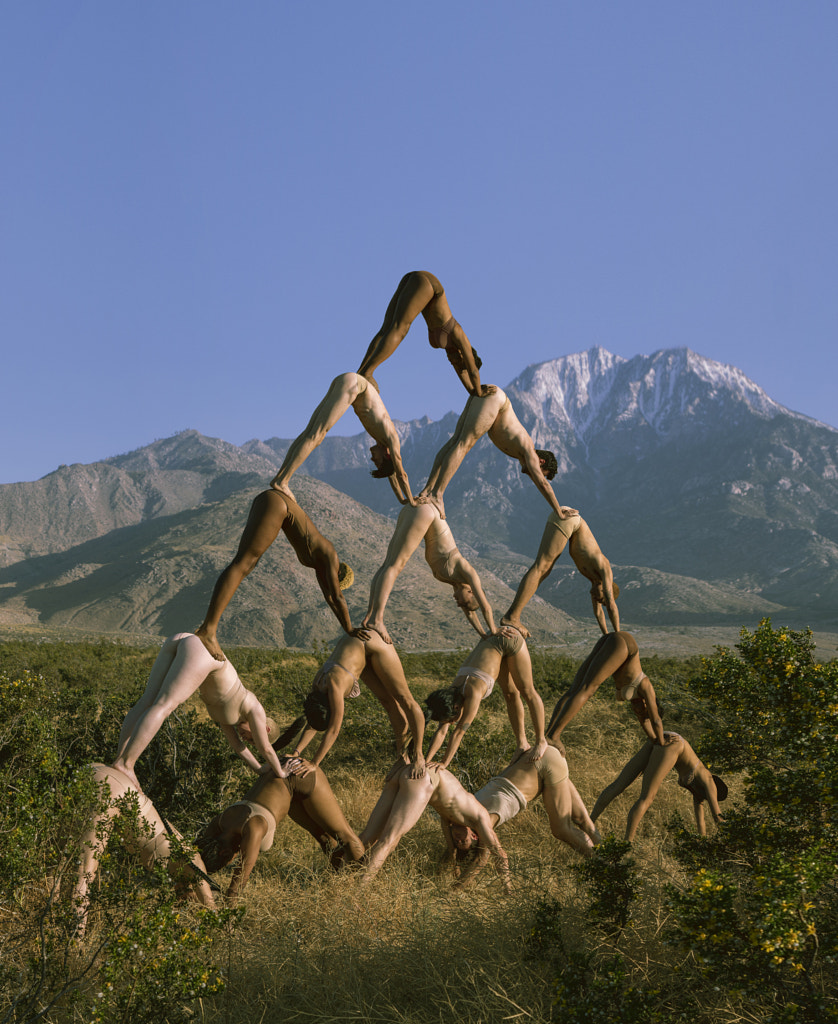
(585, 552)
(303, 536)
(631, 667)
(506, 432)
(524, 778)
(373, 416)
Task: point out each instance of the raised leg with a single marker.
(414, 292)
(264, 521)
(341, 394)
(553, 543)
(182, 665)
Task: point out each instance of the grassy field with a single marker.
(315, 946)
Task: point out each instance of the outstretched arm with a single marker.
(471, 577)
(436, 742)
(327, 578)
(253, 833)
(473, 697)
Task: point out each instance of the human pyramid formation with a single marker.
(292, 785)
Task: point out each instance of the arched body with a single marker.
(151, 842)
(575, 534)
(501, 657)
(617, 655)
(375, 663)
(182, 667)
(270, 512)
(654, 762)
(492, 414)
(247, 826)
(421, 292)
(415, 524)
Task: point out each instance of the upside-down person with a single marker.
(247, 826)
(362, 658)
(183, 666)
(423, 522)
(420, 292)
(150, 841)
(348, 389)
(502, 657)
(271, 512)
(617, 655)
(492, 414)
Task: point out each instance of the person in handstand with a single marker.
(507, 794)
(183, 666)
(365, 658)
(349, 389)
(501, 657)
(401, 804)
(587, 557)
(492, 414)
(150, 841)
(617, 655)
(420, 292)
(654, 763)
(247, 826)
(417, 523)
(271, 512)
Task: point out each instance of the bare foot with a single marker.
(596, 838)
(129, 774)
(283, 488)
(522, 629)
(381, 630)
(431, 499)
(209, 641)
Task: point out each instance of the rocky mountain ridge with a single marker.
(712, 501)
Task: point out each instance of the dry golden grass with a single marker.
(315, 946)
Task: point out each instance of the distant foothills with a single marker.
(715, 504)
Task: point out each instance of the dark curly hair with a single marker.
(318, 710)
(551, 465)
(444, 704)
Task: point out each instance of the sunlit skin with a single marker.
(349, 389)
(367, 657)
(270, 513)
(401, 804)
(491, 414)
(237, 830)
(420, 292)
(151, 849)
(415, 524)
(654, 763)
(514, 676)
(182, 667)
(617, 655)
(569, 819)
(588, 559)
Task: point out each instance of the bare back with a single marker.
(631, 667)
(586, 553)
(507, 433)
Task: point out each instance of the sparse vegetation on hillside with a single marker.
(742, 926)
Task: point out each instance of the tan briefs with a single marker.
(566, 527)
(259, 811)
(505, 645)
(224, 708)
(500, 797)
(552, 768)
(467, 670)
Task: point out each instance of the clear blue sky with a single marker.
(205, 207)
